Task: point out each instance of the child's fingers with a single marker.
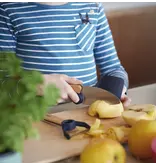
(71, 93)
(126, 101)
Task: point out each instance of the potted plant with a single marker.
(20, 106)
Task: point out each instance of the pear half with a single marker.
(105, 110)
(135, 113)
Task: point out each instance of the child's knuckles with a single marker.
(63, 77)
(64, 96)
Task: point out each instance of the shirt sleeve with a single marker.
(104, 50)
(7, 37)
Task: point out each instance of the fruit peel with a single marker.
(96, 130)
(118, 133)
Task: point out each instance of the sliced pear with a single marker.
(105, 110)
(135, 113)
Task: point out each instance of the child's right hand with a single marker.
(62, 83)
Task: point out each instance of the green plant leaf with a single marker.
(20, 107)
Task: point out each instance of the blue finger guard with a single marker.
(81, 98)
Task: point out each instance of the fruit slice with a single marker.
(105, 110)
(119, 133)
(135, 113)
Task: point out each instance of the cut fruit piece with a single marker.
(96, 133)
(118, 133)
(135, 113)
(105, 110)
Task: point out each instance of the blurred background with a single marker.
(133, 26)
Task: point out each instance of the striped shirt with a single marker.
(53, 39)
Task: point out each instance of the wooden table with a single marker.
(47, 133)
(53, 147)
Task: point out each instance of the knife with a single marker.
(112, 84)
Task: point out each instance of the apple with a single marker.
(118, 133)
(103, 151)
(105, 110)
(140, 138)
(139, 112)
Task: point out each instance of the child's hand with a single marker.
(125, 99)
(62, 82)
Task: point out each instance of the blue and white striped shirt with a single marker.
(53, 39)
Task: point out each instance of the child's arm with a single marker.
(105, 53)
(7, 36)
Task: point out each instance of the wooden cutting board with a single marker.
(52, 146)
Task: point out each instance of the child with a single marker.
(64, 41)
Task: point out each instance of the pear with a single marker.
(140, 138)
(103, 151)
(135, 113)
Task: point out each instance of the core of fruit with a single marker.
(105, 110)
(139, 112)
(140, 138)
(103, 151)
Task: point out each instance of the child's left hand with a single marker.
(125, 99)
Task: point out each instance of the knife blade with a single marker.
(91, 94)
(113, 85)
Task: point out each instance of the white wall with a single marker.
(123, 5)
(143, 95)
